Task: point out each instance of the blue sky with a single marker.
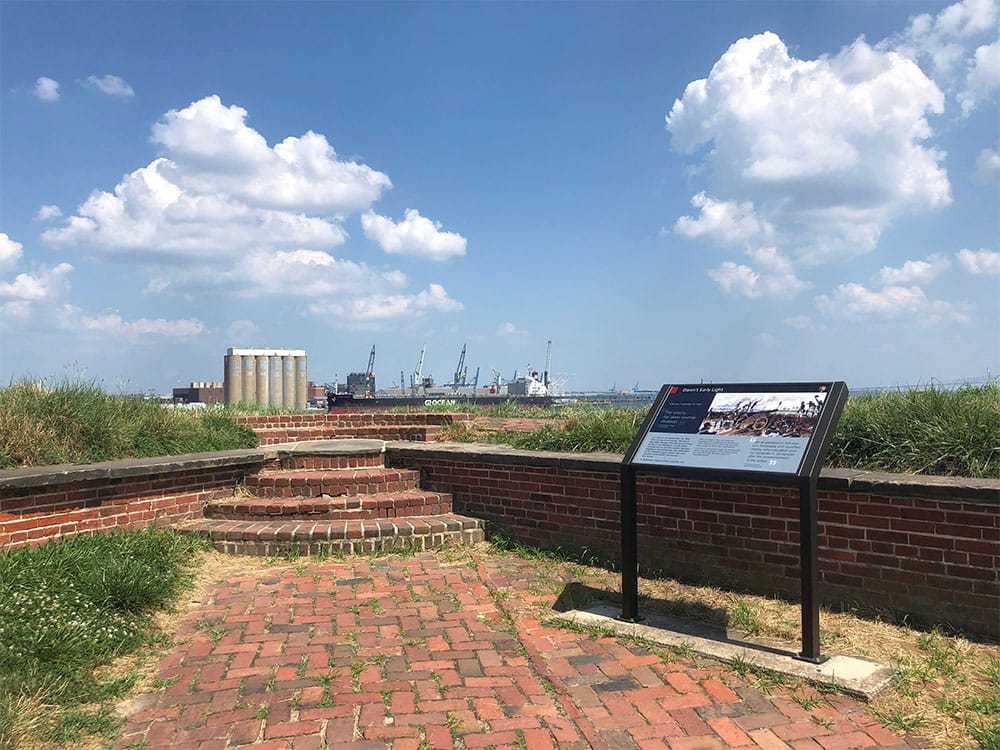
(669, 192)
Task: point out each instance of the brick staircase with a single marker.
(333, 496)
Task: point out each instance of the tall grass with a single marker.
(584, 430)
(67, 608)
(931, 431)
(938, 431)
(76, 421)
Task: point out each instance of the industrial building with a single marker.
(269, 377)
(199, 393)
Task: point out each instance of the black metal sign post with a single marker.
(760, 433)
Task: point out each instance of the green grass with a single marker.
(930, 431)
(951, 432)
(76, 421)
(68, 608)
(937, 431)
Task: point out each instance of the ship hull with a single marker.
(346, 402)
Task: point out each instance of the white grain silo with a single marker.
(249, 376)
(301, 380)
(288, 380)
(261, 389)
(232, 381)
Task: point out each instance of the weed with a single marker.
(899, 721)
(740, 665)
(992, 671)
(684, 650)
(300, 672)
(829, 688)
(986, 734)
(942, 656)
(743, 616)
(808, 702)
(823, 721)
(262, 711)
(76, 723)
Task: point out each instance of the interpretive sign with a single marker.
(748, 428)
(774, 433)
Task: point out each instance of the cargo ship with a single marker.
(532, 389)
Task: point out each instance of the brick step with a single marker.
(342, 508)
(316, 483)
(343, 537)
(409, 432)
(331, 463)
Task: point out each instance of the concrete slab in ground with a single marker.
(852, 675)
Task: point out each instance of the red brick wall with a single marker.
(930, 548)
(289, 428)
(344, 419)
(935, 557)
(34, 514)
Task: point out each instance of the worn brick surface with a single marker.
(447, 650)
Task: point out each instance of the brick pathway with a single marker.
(448, 650)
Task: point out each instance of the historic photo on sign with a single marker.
(763, 414)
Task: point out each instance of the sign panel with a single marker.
(765, 428)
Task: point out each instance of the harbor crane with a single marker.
(460, 374)
(370, 373)
(418, 371)
(548, 364)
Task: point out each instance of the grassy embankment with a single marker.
(933, 431)
(77, 422)
(69, 610)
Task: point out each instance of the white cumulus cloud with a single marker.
(415, 235)
(112, 324)
(45, 284)
(47, 89)
(950, 46)
(979, 262)
(915, 271)
(726, 222)
(241, 330)
(10, 251)
(773, 276)
(944, 40)
(111, 85)
(222, 212)
(383, 307)
(825, 153)
(983, 78)
(854, 301)
(47, 213)
(508, 330)
(213, 150)
(988, 167)
(295, 274)
(220, 188)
